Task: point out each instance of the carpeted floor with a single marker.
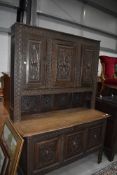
(108, 170)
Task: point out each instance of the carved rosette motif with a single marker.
(94, 136)
(34, 61)
(47, 152)
(88, 67)
(87, 70)
(30, 104)
(74, 144)
(62, 100)
(64, 58)
(46, 102)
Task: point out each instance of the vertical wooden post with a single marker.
(28, 11)
(24, 6)
(20, 11)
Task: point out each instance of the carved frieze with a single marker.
(30, 104)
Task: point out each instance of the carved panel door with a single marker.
(47, 153)
(74, 144)
(89, 65)
(64, 60)
(34, 64)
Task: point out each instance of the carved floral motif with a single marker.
(74, 144)
(47, 152)
(64, 63)
(34, 61)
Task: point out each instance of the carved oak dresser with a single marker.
(53, 86)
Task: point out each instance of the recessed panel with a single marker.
(34, 62)
(46, 153)
(63, 63)
(34, 68)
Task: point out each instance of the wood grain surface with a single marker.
(51, 121)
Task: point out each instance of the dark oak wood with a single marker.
(24, 7)
(56, 120)
(53, 86)
(48, 68)
(65, 136)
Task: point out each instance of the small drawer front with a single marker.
(95, 136)
(47, 153)
(73, 144)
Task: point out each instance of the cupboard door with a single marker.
(74, 144)
(34, 64)
(95, 136)
(64, 60)
(89, 65)
(47, 153)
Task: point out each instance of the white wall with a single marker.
(71, 10)
(14, 2)
(4, 53)
(76, 11)
(112, 5)
(100, 20)
(67, 9)
(7, 18)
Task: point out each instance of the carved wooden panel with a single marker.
(77, 99)
(62, 101)
(89, 66)
(64, 55)
(95, 136)
(42, 103)
(33, 75)
(46, 153)
(47, 102)
(88, 98)
(49, 62)
(34, 61)
(30, 104)
(82, 99)
(74, 144)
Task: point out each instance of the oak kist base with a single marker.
(59, 138)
